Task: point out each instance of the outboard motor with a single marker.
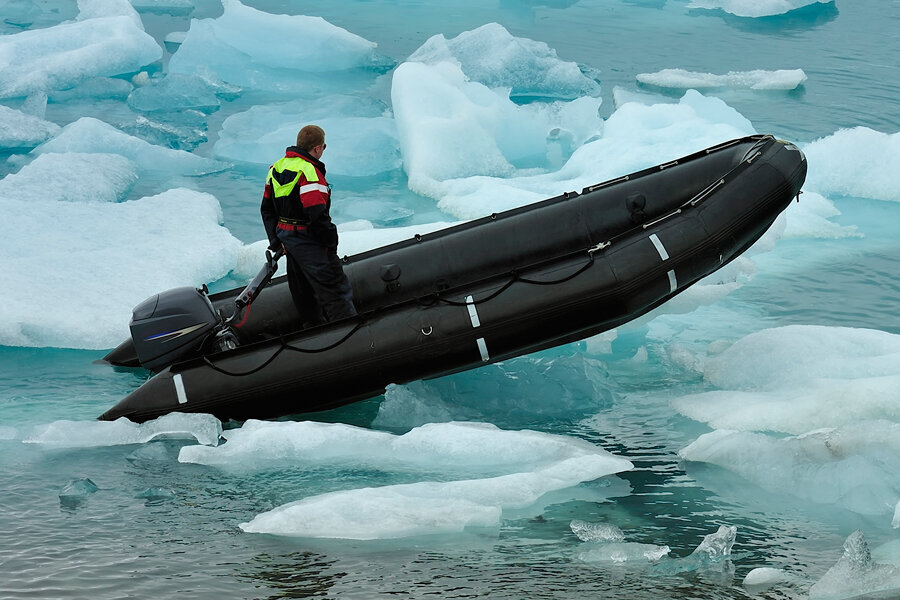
(181, 322)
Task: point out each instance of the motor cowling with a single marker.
(172, 325)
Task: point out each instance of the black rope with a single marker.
(423, 301)
(514, 277)
(279, 350)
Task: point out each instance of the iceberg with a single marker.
(258, 50)
(854, 467)
(21, 130)
(492, 56)
(855, 162)
(755, 8)
(65, 55)
(92, 135)
(783, 79)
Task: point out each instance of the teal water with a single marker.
(157, 527)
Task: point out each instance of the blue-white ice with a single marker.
(362, 135)
(108, 38)
(205, 429)
(229, 47)
(486, 470)
(758, 79)
(490, 55)
(21, 130)
(857, 574)
(755, 8)
(447, 116)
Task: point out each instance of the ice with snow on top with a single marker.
(492, 56)
(93, 434)
(855, 162)
(815, 377)
(755, 8)
(758, 79)
(855, 466)
(20, 130)
(125, 251)
(362, 136)
(258, 50)
(489, 470)
(93, 135)
(106, 39)
(856, 574)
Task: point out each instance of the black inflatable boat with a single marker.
(507, 284)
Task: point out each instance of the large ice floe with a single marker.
(116, 251)
(486, 471)
(106, 39)
(836, 391)
(229, 46)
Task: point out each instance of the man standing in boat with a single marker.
(295, 212)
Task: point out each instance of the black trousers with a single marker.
(319, 287)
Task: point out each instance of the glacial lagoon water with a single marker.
(741, 441)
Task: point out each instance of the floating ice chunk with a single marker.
(813, 405)
(782, 79)
(472, 447)
(764, 577)
(855, 574)
(174, 39)
(755, 8)
(362, 141)
(621, 552)
(809, 219)
(797, 354)
(492, 56)
(248, 47)
(596, 532)
(717, 546)
(155, 495)
(111, 176)
(175, 92)
(444, 120)
(513, 470)
(855, 162)
(206, 429)
(856, 466)
(76, 492)
(635, 137)
(426, 508)
(815, 377)
(20, 130)
(90, 296)
(62, 56)
(92, 135)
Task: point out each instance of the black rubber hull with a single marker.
(532, 278)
